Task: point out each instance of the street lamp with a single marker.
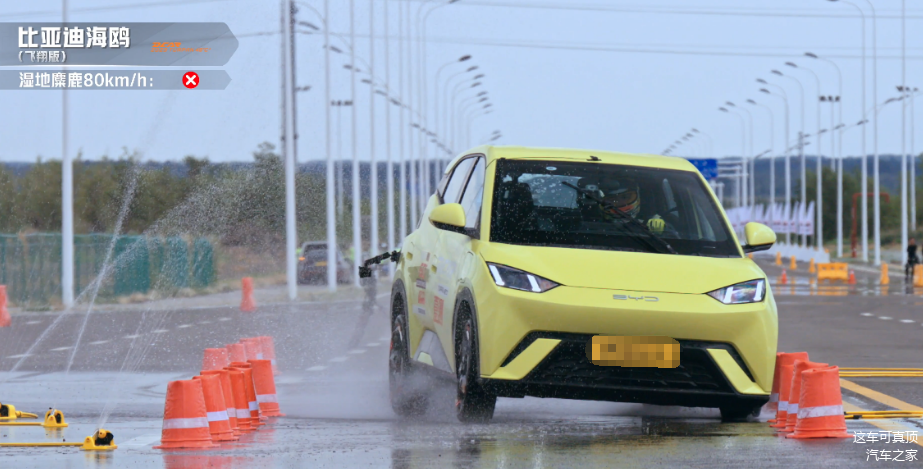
(788, 168)
(819, 229)
(804, 189)
(772, 162)
(743, 141)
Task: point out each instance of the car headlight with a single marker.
(747, 292)
(519, 280)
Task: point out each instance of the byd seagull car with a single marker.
(580, 275)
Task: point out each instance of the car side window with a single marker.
(474, 194)
(457, 181)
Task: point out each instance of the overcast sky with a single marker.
(617, 75)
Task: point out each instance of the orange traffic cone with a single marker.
(782, 384)
(821, 412)
(238, 386)
(778, 258)
(918, 275)
(795, 393)
(5, 319)
(773, 404)
(236, 353)
(250, 391)
(253, 348)
(885, 278)
(185, 420)
(247, 303)
(784, 278)
(811, 268)
(215, 359)
(227, 390)
(265, 386)
(852, 277)
(785, 387)
(218, 423)
(793, 265)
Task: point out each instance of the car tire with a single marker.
(406, 399)
(739, 413)
(472, 404)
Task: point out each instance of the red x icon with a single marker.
(191, 80)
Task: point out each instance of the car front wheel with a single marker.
(473, 404)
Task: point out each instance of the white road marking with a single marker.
(885, 318)
(372, 344)
(184, 326)
(317, 368)
(205, 322)
(22, 355)
(906, 321)
(33, 322)
(99, 342)
(60, 349)
(133, 336)
(867, 314)
(357, 351)
(338, 359)
(224, 319)
(159, 331)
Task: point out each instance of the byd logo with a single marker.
(651, 299)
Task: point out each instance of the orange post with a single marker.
(795, 394)
(781, 385)
(918, 275)
(811, 268)
(5, 319)
(227, 389)
(265, 386)
(778, 258)
(218, 423)
(247, 303)
(185, 420)
(821, 412)
(792, 264)
(885, 278)
(239, 389)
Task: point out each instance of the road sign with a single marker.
(707, 166)
(191, 80)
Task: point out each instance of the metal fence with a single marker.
(30, 265)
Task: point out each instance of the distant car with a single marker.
(312, 264)
(581, 275)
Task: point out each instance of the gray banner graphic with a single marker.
(143, 44)
(114, 80)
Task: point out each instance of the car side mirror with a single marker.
(759, 237)
(449, 217)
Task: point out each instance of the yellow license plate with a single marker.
(320, 264)
(633, 351)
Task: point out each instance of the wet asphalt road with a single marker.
(336, 398)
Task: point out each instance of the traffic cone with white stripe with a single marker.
(253, 348)
(781, 386)
(795, 394)
(821, 412)
(215, 359)
(265, 386)
(185, 419)
(238, 388)
(218, 422)
(236, 353)
(773, 404)
(269, 351)
(227, 390)
(250, 391)
(785, 387)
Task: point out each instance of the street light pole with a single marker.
(373, 173)
(357, 205)
(743, 143)
(903, 90)
(819, 228)
(785, 146)
(67, 201)
(390, 166)
(331, 195)
(288, 75)
(838, 158)
(772, 158)
(801, 135)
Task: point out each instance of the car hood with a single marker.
(621, 270)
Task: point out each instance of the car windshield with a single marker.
(532, 205)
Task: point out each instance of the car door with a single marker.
(455, 254)
(422, 272)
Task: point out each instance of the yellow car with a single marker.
(580, 275)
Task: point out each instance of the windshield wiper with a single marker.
(655, 242)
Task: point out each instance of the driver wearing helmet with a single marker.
(627, 199)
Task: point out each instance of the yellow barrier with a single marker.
(102, 440)
(833, 271)
(885, 278)
(918, 275)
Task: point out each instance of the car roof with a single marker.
(564, 154)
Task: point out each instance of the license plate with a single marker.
(633, 351)
(320, 264)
